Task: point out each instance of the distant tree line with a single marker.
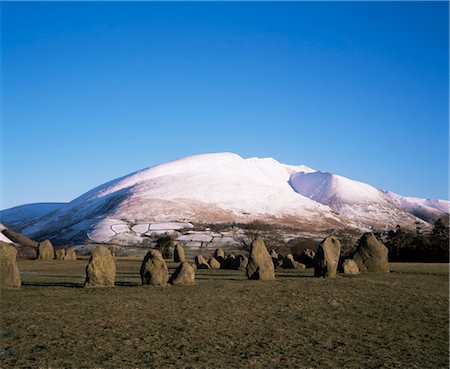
(420, 246)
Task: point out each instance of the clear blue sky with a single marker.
(94, 91)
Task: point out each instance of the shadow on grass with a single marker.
(127, 284)
(53, 284)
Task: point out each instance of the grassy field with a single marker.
(395, 320)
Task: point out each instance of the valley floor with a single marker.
(395, 320)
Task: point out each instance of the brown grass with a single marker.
(395, 320)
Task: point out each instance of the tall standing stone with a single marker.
(9, 272)
(260, 265)
(178, 254)
(154, 269)
(183, 275)
(327, 258)
(101, 269)
(371, 255)
(45, 250)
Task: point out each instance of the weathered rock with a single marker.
(45, 250)
(60, 254)
(184, 274)
(327, 258)
(241, 262)
(154, 269)
(201, 262)
(307, 257)
(371, 255)
(290, 263)
(9, 272)
(219, 255)
(260, 265)
(70, 254)
(101, 269)
(178, 254)
(350, 267)
(213, 263)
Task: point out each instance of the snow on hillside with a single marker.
(2, 236)
(329, 189)
(24, 213)
(426, 209)
(214, 188)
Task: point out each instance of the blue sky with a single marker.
(94, 91)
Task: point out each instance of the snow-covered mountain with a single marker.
(216, 188)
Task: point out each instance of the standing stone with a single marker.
(327, 258)
(184, 274)
(101, 269)
(219, 255)
(371, 255)
(178, 254)
(9, 272)
(260, 265)
(60, 254)
(70, 254)
(349, 267)
(154, 269)
(201, 262)
(213, 263)
(45, 250)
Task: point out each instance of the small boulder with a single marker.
(45, 250)
(178, 254)
(260, 265)
(154, 269)
(183, 275)
(101, 269)
(290, 263)
(60, 254)
(9, 272)
(349, 267)
(213, 263)
(201, 262)
(327, 258)
(371, 255)
(70, 254)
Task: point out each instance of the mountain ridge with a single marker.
(224, 187)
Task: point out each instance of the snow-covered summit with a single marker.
(224, 187)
